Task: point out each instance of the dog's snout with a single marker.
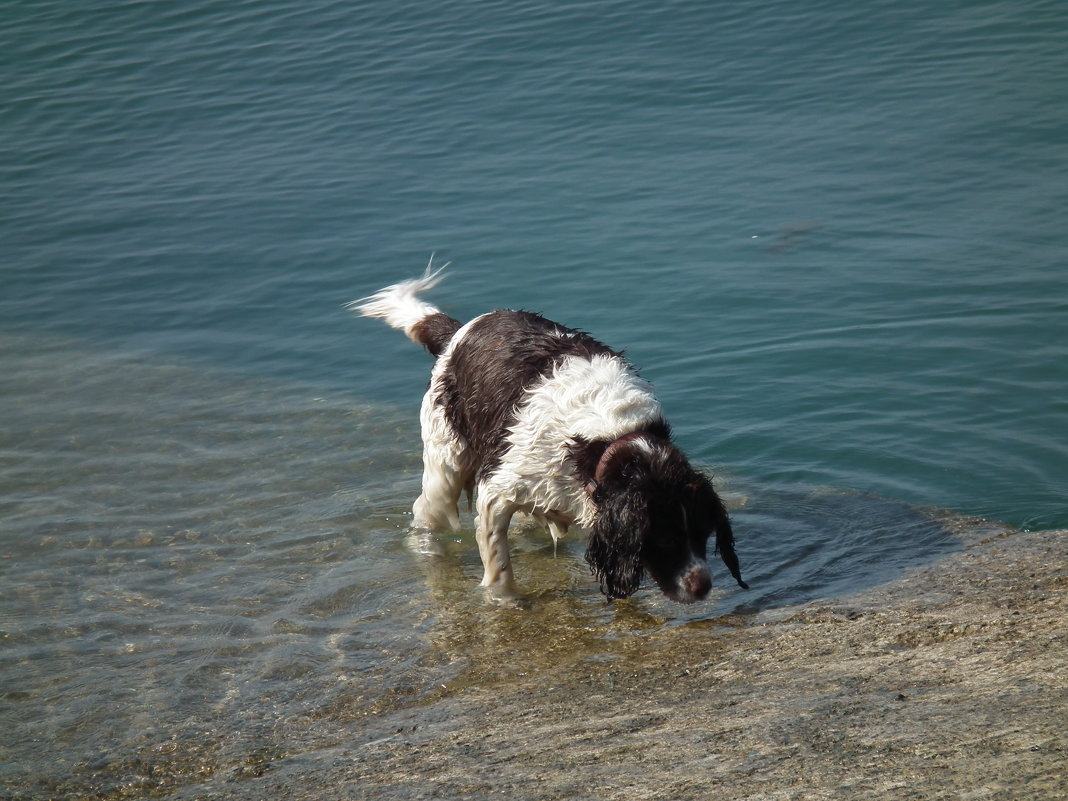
(694, 583)
(699, 582)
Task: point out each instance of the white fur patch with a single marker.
(596, 399)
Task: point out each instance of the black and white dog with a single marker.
(535, 417)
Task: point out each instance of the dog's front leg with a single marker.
(491, 532)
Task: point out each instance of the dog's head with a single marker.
(655, 514)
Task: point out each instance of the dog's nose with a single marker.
(697, 582)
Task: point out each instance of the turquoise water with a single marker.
(834, 239)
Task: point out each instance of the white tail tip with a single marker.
(399, 305)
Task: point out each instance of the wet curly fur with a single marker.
(535, 417)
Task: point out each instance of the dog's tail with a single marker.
(399, 305)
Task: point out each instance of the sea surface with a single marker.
(834, 238)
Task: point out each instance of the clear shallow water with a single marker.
(205, 571)
(834, 240)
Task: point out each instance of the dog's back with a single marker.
(491, 369)
(486, 375)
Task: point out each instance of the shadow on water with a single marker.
(204, 572)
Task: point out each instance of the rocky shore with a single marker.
(949, 682)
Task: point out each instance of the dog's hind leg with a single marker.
(491, 532)
(437, 507)
(446, 471)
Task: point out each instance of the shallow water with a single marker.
(203, 570)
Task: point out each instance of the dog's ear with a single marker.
(614, 552)
(725, 548)
(721, 524)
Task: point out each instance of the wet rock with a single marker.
(947, 683)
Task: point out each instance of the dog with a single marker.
(531, 416)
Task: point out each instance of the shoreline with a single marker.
(948, 682)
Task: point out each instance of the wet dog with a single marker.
(535, 417)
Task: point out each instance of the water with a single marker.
(833, 240)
